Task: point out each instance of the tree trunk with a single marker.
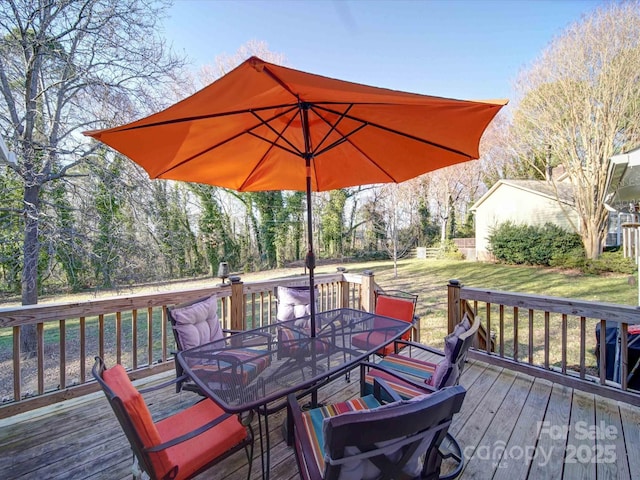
(592, 240)
(31, 248)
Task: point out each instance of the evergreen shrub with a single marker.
(534, 245)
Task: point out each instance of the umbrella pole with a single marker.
(310, 260)
(311, 265)
(311, 257)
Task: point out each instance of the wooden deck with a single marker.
(512, 426)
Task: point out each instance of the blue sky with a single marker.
(469, 49)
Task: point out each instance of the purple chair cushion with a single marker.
(198, 323)
(292, 303)
(445, 375)
(446, 372)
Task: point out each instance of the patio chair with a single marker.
(292, 303)
(364, 438)
(410, 376)
(394, 304)
(180, 446)
(196, 323)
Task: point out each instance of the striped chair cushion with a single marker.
(313, 421)
(409, 366)
(252, 362)
(402, 388)
(292, 341)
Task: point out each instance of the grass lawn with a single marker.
(429, 278)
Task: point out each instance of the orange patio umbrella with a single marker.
(267, 127)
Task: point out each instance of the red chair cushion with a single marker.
(118, 381)
(395, 307)
(193, 454)
(370, 339)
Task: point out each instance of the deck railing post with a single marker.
(237, 304)
(453, 304)
(368, 299)
(343, 289)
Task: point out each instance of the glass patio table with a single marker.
(288, 359)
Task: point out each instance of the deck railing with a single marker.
(550, 337)
(133, 330)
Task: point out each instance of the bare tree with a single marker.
(499, 159)
(455, 186)
(266, 210)
(400, 209)
(68, 66)
(580, 104)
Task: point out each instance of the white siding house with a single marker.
(529, 202)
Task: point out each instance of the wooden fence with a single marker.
(134, 331)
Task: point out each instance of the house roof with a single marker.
(536, 187)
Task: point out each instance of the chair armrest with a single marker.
(379, 385)
(395, 374)
(153, 388)
(233, 332)
(267, 336)
(417, 345)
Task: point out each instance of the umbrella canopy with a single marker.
(267, 127)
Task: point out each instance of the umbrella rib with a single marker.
(266, 123)
(397, 132)
(207, 116)
(333, 128)
(344, 138)
(195, 155)
(247, 131)
(272, 143)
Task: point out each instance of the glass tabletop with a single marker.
(254, 367)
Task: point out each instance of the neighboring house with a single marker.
(529, 202)
(623, 199)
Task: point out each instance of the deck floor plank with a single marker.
(83, 440)
(489, 451)
(551, 440)
(525, 434)
(630, 420)
(581, 448)
(610, 441)
(483, 416)
(476, 392)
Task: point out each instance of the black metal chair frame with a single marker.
(140, 452)
(465, 341)
(411, 421)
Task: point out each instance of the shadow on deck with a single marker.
(512, 426)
